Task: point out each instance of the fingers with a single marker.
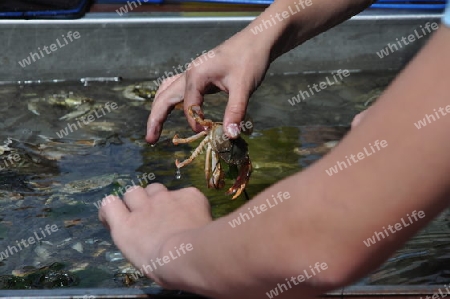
(194, 203)
(195, 90)
(166, 98)
(236, 107)
(166, 83)
(191, 86)
(113, 211)
(135, 198)
(198, 196)
(357, 119)
(154, 189)
(235, 111)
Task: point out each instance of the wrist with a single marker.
(271, 30)
(175, 253)
(288, 23)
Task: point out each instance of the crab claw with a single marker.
(175, 139)
(178, 164)
(241, 180)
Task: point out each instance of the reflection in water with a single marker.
(61, 180)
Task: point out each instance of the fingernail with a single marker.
(233, 130)
(152, 132)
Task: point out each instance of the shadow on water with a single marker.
(57, 181)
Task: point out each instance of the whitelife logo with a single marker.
(319, 87)
(280, 17)
(53, 47)
(131, 5)
(259, 209)
(301, 278)
(431, 118)
(87, 119)
(360, 156)
(200, 58)
(164, 260)
(395, 228)
(440, 295)
(391, 48)
(31, 240)
(124, 189)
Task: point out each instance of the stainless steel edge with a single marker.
(135, 47)
(398, 292)
(100, 18)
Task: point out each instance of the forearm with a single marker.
(327, 217)
(288, 23)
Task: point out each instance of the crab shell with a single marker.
(231, 151)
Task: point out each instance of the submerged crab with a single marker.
(141, 91)
(77, 105)
(218, 148)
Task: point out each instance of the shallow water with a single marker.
(44, 187)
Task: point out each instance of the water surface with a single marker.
(45, 188)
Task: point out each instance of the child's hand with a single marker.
(147, 218)
(236, 67)
(358, 117)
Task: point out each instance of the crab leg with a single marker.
(208, 165)
(216, 180)
(193, 112)
(196, 152)
(241, 180)
(176, 140)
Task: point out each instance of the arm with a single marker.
(328, 218)
(303, 20)
(239, 64)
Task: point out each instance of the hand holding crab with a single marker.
(218, 149)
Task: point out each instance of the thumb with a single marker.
(235, 112)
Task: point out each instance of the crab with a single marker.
(77, 105)
(218, 149)
(141, 91)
